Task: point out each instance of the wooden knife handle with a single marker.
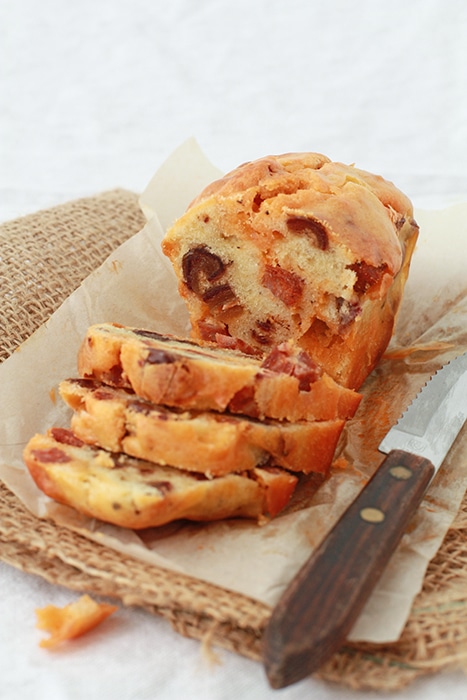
(321, 604)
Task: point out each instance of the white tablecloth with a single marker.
(96, 94)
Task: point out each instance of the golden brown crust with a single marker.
(297, 247)
(207, 442)
(174, 372)
(136, 494)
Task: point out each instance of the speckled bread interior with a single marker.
(177, 372)
(206, 442)
(136, 494)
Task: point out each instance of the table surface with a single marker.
(95, 95)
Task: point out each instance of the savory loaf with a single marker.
(137, 494)
(296, 247)
(285, 385)
(208, 442)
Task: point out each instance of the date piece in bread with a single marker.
(137, 494)
(297, 247)
(208, 442)
(285, 385)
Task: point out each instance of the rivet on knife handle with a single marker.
(320, 606)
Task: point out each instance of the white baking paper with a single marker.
(136, 286)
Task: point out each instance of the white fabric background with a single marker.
(95, 95)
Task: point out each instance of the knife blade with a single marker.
(321, 604)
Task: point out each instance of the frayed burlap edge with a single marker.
(45, 256)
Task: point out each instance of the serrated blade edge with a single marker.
(433, 420)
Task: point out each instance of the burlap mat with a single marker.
(43, 258)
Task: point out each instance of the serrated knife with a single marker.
(319, 607)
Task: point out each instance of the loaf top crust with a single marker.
(362, 211)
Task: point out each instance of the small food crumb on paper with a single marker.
(71, 621)
(340, 463)
(400, 353)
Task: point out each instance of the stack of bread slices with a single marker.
(292, 268)
(164, 428)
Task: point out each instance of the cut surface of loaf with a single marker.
(285, 385)
(136, 494)
(297, 247)
(208, 442)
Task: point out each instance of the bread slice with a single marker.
(136, 494)
(297, 247)
(285, 385)
(211, 443)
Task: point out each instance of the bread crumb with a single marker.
(71, 621)
(103, 459)
(340, 463)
